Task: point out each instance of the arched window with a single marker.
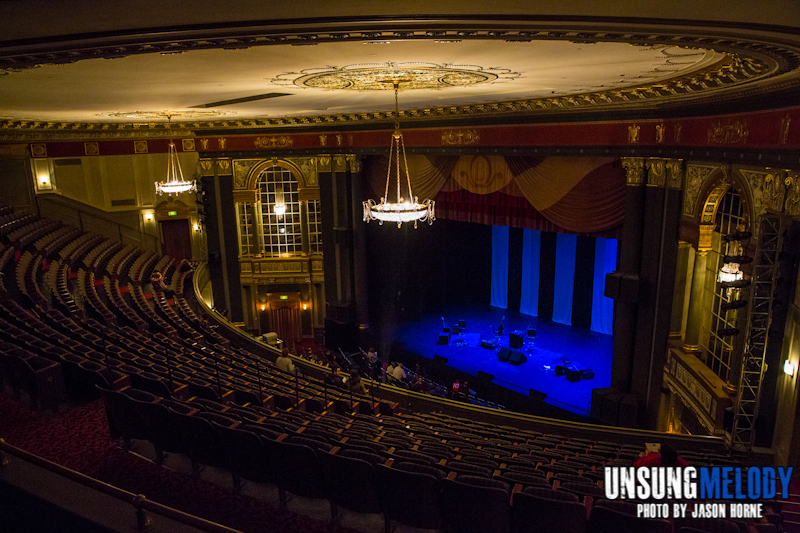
(721, 345)
(279, 224)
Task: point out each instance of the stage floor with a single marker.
(585, 348)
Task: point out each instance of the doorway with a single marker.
(176, 239)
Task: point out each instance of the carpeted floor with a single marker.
(78, 438)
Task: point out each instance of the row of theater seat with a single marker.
(366, 464)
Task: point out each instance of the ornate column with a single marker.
(682, 280)
(622, 285)
(694, 319)
(656, 281)
(222, 235)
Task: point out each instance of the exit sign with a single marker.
(284, 297)
(172, 213)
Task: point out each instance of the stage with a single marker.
(585, 348)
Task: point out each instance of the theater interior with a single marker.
(224, 226)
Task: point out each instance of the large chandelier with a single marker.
(403, 210)
(175, 183)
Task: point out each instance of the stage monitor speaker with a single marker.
(445, 330)
(456, 330)
(462, 324)
(489, 345)
(531, 334)
(444, 339)
(517, 358)
(504, 354)
(516, 340)
(439, 360)
(587, 374)
(483, 377)
(537, 395)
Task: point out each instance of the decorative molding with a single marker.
(678, 128)
(283, 141)
(323, 139)
(746, 61)
(206, 167)
(657, 172)
(221, 142)
(224, 166)
(460, 137)
(204, 143)
(241, 171)
(38, 150)
(695, 177)
(660, 133)
(674, 173)
(240, 197)
(633, 133)
(792, 182)
(91, 148)
(634, 170)
(766, 188)
(706, 234)
(728, 134)
(354, 162)
(785, 123)
(187, 145)
(139, 147)
(339, 163)
(324, 163)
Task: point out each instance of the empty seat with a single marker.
(605, 520)
(532, 511)
(410, 497)
(475, 504)
(351, 482)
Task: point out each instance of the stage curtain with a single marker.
(428, 176)
(548, 182)
(564, 282)
(482, 174)
(605, 261)
(499, 267)
(531, 246)
(595, 204)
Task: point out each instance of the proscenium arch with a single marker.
(252, 177)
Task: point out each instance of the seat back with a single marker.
(531, 513)
(411, 498)
(296, 468)
(351, 483)
(471, 508)
(605, 520)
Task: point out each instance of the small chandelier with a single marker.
(175, 183)
(403, 210)
(280, 204)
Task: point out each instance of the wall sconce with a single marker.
(788, 368)
(196, 227)
(305, 306)
(41, 169)
(263, 307)
(148, 216)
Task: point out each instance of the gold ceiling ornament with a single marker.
(169, 115)
(371, 76)
(175, 183)
(403, 210)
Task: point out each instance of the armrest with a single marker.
(452, 476)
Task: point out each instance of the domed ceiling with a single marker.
(325, 72)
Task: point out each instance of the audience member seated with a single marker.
(665, 456)
(399, 372)
(284, 362)
(356, 385)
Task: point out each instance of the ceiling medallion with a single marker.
(371, 76)
(166, 115)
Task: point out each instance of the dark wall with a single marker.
(427, 270)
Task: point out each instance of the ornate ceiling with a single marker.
(331, 71)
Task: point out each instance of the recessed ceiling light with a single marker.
(447, 41)
(376, 42)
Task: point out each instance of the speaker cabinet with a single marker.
(444, 339)
(516, 340)
(504, 354)
(517, 358)
(597, 403)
